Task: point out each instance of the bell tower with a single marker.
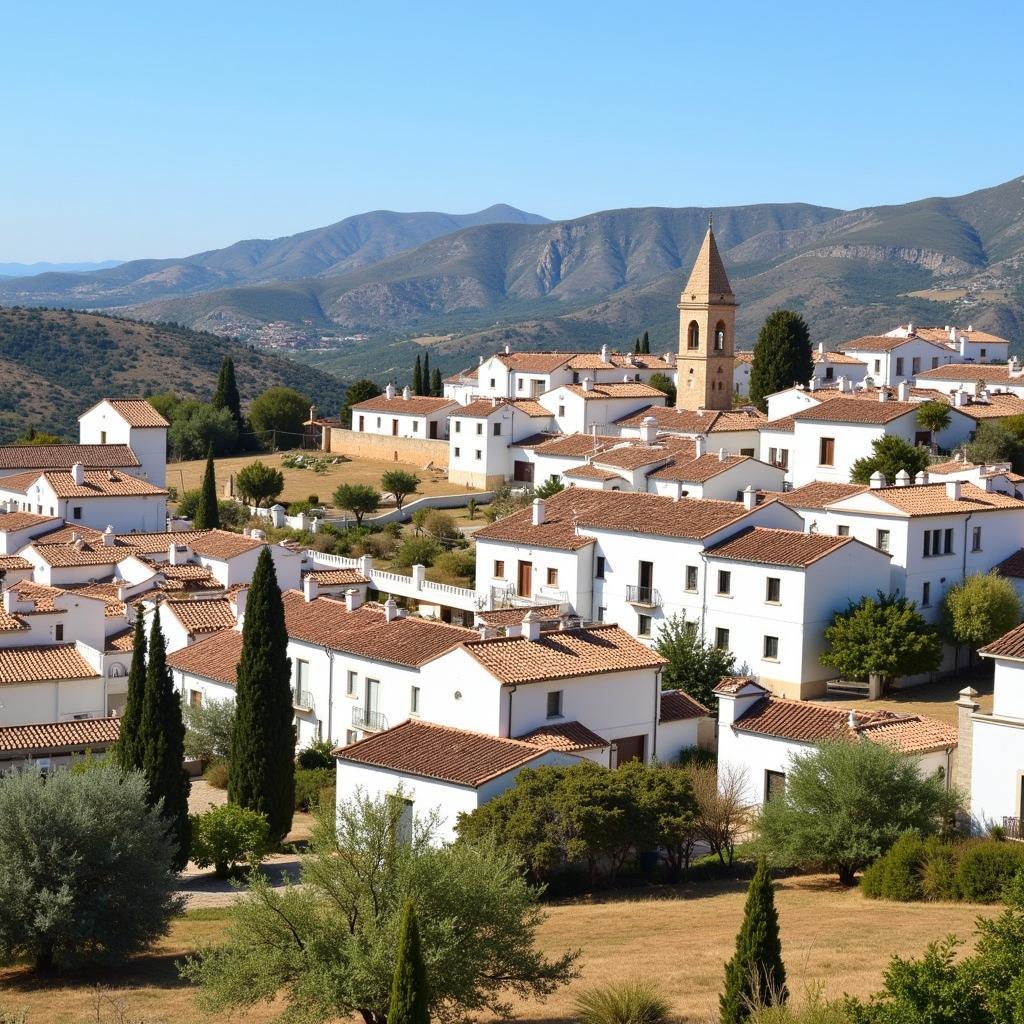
(707, 321)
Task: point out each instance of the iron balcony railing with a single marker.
(1013, 828)
(648, 597)
(370, 721)
(302, 699)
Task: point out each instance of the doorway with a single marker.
(629, 748)
(525, 579)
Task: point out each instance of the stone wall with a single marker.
(362, 445)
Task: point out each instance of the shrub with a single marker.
(216, 774)
(417, 551)
(380, 545)
(938, 876)
(898, 874)
(694, 756)
(457, 563)
(625, 1002)
(208, 730)
(317, 755)
(986, 868)
(441, 526)
(228, 835)
(309, 782)
(392, 530)
(259, 483)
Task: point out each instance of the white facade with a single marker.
(105, 424)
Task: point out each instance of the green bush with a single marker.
(317, 755)
(938, 876)
(457, 563)
(308, 784)
(897, 874)
(392, 530)
(228, 835)
(986, 868)
(417, 551)
(380, 545)
(216, 774)
(441, 526)
(625, 1002)
(696, 756)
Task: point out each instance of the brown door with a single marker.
(629, 748)
(394, 428)
(362, 424)
(526, 579)
(433, 430)
(522, 471)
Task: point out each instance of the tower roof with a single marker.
(708, 281)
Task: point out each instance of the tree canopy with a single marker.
(259, 483)
(196, 427)
(226, 395)
(358, 391)
(693, 665)
(207, 515)
(357, 499)
(664, 383)
(552, 486)
(933, 416)
(400, 483)
(889, 455)
(782, 356)
(282, 411)
(980, 609)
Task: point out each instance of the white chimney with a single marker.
(108, 536)
(538, 511)
(353, 599)
(405, 394)
(877, 480)
(910, 330)
(604, 353)
(902, 478)
(626, 379)
(922, 477)
(952, 333)
(389, 391)
(257, 534)
(883, 394)
(903, 391)
(962, 347)
(508, 350)
(310, 587)
(985, 395)
(485, 631)
(238, 599)
(851, 719)
(586, 384)
(390, 609)
(699, 443)
(531, 625)
(749, 497)
(648, 430)
(78, 473)
(844, 384)
(812, 384)
(821, 348)
(959, 398)
(970, 328)
(953, 490)
(721, 455)
(868, 382)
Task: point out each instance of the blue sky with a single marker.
(157, 130)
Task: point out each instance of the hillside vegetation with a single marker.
(54, 364)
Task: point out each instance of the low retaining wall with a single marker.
(414, 450)
(428, 501)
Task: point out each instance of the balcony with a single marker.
(643, 597)
(1013, 828)
(368, 721)
(302, 700)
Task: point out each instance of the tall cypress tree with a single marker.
(426, 373)
(410, 998)
(645, 344)
(436, 384)
(782, 356)
(262, 774)
(755, 976)
(129, 744)
(417, 377)
(207, 513)
(162, 735)
(226, 394)
(636, 347)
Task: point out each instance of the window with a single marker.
(643, 625)
(827, 451)
(882, 540)
(103, 437)
(520, 383)
(58, 632)
(554, 704)
(496, 429)
(915, 365)
(935, 362)
(76, 512)
(691, 577)
(774, 785)
(561, 410)
(937, 542)
(458, 452)
(878, 366)
(492, 382)
(779, 457)
(982, 353)
(773, 590)
(499, 569)
(415, 426)
(842, 531)
(747, 451)
(350, 736)
(722, 639)
(479, 428)
(830, 372)
(693, 335)
(458, 426)
(724, 582)
(771, 648)
(414, 700)
(599, 568)
(195, 698)
(378, 422)
(899, 366)
(600, 614)
(976, 538)
(719, 336)
(552, 577)
(352, 685)
(926, 594)
(478, 455)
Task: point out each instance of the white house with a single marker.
(966, 345)
(760, 734)
(892, 360)
(54, 682)
(20, 458)
(952, 377)
(580, 408)
(735, 430)
(132, 422)
(403, 414)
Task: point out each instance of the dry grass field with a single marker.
(681, 939)
(937, 700)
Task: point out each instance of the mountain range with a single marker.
(397, 281)
(32, 269)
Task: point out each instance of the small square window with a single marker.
(773, 590)
(724, 582)
(499, 569)
(599, 568)
(842, 531)
(771, 648)
(691, 578)
(722, 639)
(552, 577)
(414, 700)
(643, 625)
(555, 704)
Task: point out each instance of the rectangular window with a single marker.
(58, 632)
(479, 428)
(499, 569)
(478, 455)
(830, 372)
(899, 366)
(774, 785)
(561, 410)
(520, 383)
(352, 685)
(496, 428)
(350, 737)
(414, 700)
(415, 426)
(552, 577)
(599, 568)
(976, 538)
(103, 437)
(773, 590)
(554, 704)
(643, 625)
(827, 451)
(771, 648)
(195, 698)
(76, 512)
(935, 362)
(773, 456)
(458, 452)
(882, 540)
(691, 577)
(458, 426)
(842, 530)
(926, 594)
(600, 614)
(724, 582)
(378, 423)
(878, 366)
(722, 639)
(915, 365)
(301, 674)
(492, 382)
(947, 542)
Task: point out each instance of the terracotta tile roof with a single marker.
(8, 562)
(708, 277)
(365, 632)
(819, 494)
(567, 736)
(203, 615)
(1012, 566)
(122, 641)
(678, 705)
(733, 684)
(10, 623)
(337, 577)
(952, 466)
(783, 425)
(482, 408)
(997, 406)
(102, 591)
(137, 412)
(214, 657)
(502, 618)
(69, 533)
(698, 470)
(874, 343)
(695, 421)
(574, 445)
(743, 356)
(808, 722)
(590, 472)
(778, 547)
(414, 405)
(997, 373)
(636, 455)
(441, 752)
(463, 376)
(856, 410)
(563, 654)
(60, 736)
(1009, 645)
(606, 392)
(13, 521)
(64, 456)
(931, 499)
(221, 544)
(619, 361)
(98, 483)
(43, 662)
(155, 543)
(839, 358)
(533, 362)
(187, 577)
(940, 334)
(531, 408)
(67, 556)
(40, 593)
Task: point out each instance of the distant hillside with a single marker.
(355, 242)
(31, 269)
(54, 364)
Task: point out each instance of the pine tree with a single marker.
(207, 513)
(436, 384)
(410, 999)
(162, 735)
(636, 347)
(417, 377)
(226, 394)
(755, 976)
(645, 344)
(129, 747)
(262, 774)
(425, 380)
(782, 356)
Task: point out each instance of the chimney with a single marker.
(883, 394)
(108, 536)
(867, 383)
(238, 600)
(878, 480)
(586, 384)
(962, 347)
(626, 379)
(721, 455)
(604, 353)
(405, 394)
(508, 350)
(844, 384)
(852, 721)
(953, 490)
(389, 391)
(310, 587)
(353, 599)
(485, 631)
(910, 330)
(812, 384)
(952, 333)
(648, 430)
(902, 478)
(821, 348)
(903, 391)
(959, 398)
(922, 477)
(78, 473)
(538, 511)
(531, 625)
(985, 395)
(390, 609)
(749, 497)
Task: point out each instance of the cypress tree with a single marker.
(755, 976)
(417, 377)
(436, 384)
(262, 774)
(782, 356)
(426, 373)
(410, 999)
(226, 395)
(645, 344)
(207, 513)
(129, 746)
(162, 736)
(636, 347)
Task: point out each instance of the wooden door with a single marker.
(629, 748)
(433, 430)
(394, 428)
(526, 579)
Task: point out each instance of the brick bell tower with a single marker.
(707, 321)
